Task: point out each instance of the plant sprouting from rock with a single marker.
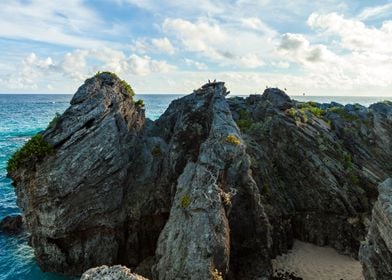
(140, 103)
(216, 275)
(185, 201)
(31, 153)
(54, 121)
(232, 139)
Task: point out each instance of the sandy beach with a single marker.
(311, 262)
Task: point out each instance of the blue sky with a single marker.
(325, 47)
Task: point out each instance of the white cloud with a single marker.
(296, 47)
(251, 61)
(52, 22)
(163, 45)
(196, 64)
(154, 45)
(201, 36)
(144, 65)
(375, 12)
(224, 42)
(354, 35)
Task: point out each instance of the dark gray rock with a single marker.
(12, 224)
(277, 98)
(317, 175)
(213, 186)
(376, 252)
(73, 202)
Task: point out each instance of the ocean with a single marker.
(23, 115)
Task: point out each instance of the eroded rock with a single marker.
(376, 252)
(214, 187)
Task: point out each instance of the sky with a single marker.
(327, 47)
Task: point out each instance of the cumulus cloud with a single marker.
(154, 45)
(297, 48)
(75, 66)
(354, 35)
(226, 43)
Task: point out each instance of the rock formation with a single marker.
(116, 272)
(376, 253)
(12, 224)
(214, 188)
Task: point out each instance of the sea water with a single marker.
(23, 115)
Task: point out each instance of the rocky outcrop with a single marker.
(214, 188)
(376, 252)
(216, 215)
(73, 201)
(116, 272)
(315, 166)
(11, 224)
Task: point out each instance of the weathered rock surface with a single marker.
(12, 224)
(376, 253)
(116, 272)
(317, 175)
(214, 187)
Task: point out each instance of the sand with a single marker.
(311, 262)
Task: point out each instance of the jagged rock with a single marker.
(73, 201)
(12, 224)
(277, 98)
(214, 186)
(376, 253)
(317, 180)
(116, 272)
(216, 217)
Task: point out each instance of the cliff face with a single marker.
(214, 187)
(376, 253)
(317, 166)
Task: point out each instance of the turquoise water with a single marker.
(22, 116)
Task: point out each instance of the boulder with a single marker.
(12, 224)
(116, 272)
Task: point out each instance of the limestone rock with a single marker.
(116, 272)
(376, 252)
(73, 202)
(215, 186)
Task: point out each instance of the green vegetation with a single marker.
(233, 139)
(354, 179)
(260, 129)
(128, 89)
(33, 151)
(292, 112)
(312, 108)
(347, 161)
(140, 103)
(216, 275)
(54, 121)
(344, 114)
(185, 201)
(244, 121)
